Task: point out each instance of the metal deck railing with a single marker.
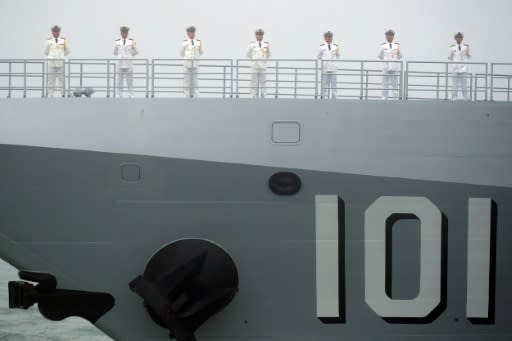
(102, 76)
(501, 82)
(435, 81)
(227, 78)
(215, 77)
(285, 78)
(360, 79)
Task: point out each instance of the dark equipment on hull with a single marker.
(87, 92)
(57, 304)
(285, 183)
(185, 283)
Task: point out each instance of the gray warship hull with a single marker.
(92, 188)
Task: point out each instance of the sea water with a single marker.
(29, 325)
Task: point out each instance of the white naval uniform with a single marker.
(191, 49)
(328, 54)
(56, 49)
(390, 52)
(125, 50)
(259, 52)
(460, 53)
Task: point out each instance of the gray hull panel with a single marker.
(435, 141)
(69, 212)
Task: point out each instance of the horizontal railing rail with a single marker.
(271, 78)
(102, 75)
(192, 78)
(276, 78)
(427, 80)
(362, 79)
(501, 82)
(26, 77)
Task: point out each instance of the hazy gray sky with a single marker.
(294, 28)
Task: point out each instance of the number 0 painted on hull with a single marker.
(429, 296)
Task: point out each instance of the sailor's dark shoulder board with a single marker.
(118, 39)
(335, 44)
(266, 42)
(130, 38)
(466, 45)
(452, 45)
(322, 44)
(397, 43)
(384, 44)
(198, 39)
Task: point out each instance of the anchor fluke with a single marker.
(57, 304)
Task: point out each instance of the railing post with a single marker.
(366, 84)
(10, 81)
(438, 84)
(486, 80)
(401, 84)
(316, 78)
(446, 82)
(406, 81)
(42, 79)
(63, 85)
(45, 76)
(237, 77)
(191, 83)
(361, 86)
(476, 88)
(471, 87)
(69, 77)
(491, 90)
(224, 81)
(337, 75)
(277, 79)
(81, 75)
(147, 78)
(114, 81)
(153, 78)
(322, 90)
(295, 83)
(508, 88)
(24, 78)
(47, 69)
(108, 78)
(231, 78)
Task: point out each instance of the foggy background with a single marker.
(294, 28)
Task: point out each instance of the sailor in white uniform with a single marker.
(191, 50)
(329, 52)
(125, 49)
(391, 52)
(259, 52)
(56, 49)
(459, 52)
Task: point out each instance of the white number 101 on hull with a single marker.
(329, 216)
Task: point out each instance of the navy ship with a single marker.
(287, 218)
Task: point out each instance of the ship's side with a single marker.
(91, 188)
